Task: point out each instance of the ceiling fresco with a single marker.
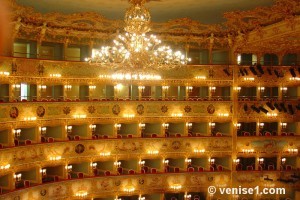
(205, 11)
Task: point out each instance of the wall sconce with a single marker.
(142, 163)
(153, 152)
(55, 158)
(189, 125)
(284, 90)
(249, 79)
(166, 162)
(236, 161)
(176, 187)
(69, 168)
(4, 167)
(165, 87)
(43, 172)
(187, 196)
(177, 115)
(18, 177)
(238, 89)
(105, 154)
(212, 125)
(129, 189)
(80, 116)
(104, 76)
(16, 87)
(248, 151)
(17, 133)
(238, 126)
(141, 198)
(223, 114)
(261, 89)
(141, 88)
(69, 129)
(272, 114)
(43, 88)
(211, 161)
(294, 79)
(189, 89)
(117, 164)
(200, 77)
(43, 130)
(68, 87)
(261, 125)
(283, 125)
(129, 116)
(4, 73)
(142, 126)
(118, 126)
(81, 194)
(55, 75)
(93, 128)
(165, 126)
(93, 165)
(261, 160)
(118, 87)
(92, 87)
(188, 161)
(293, 151)
(283, 160)
(29, 118)
(199, 150)
(212, 89)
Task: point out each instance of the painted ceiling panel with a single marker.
(206, 11)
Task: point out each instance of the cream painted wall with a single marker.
(4, 136)
(105, 129)
(55, 131)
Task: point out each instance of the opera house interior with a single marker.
(150, 100)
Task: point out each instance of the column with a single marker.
(280, 57)
(66, 43)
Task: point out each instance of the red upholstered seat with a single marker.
(26, 183)
(131, 171)
(107, 173)
(80, 175)
(176, 169)
(27, 142)
(200, 169)
(220, 168)
(76, 137)
(153, 170)
(50, 139)
(191, 169)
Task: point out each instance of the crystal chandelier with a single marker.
(135, 55)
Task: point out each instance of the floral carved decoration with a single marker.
(91, 109)
(116, 109)
(140, 109)
(164, 109)
(14, 112)
(40, 111)
(79, 148)
(66, 110)
(187, 109)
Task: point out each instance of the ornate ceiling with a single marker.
(205, 11)
(242, 30)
